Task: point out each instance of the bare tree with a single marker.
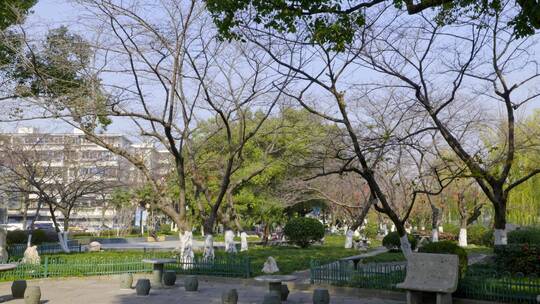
(383, 139)
(29, 170)
(469, 204)
(473, 62)
(159, 68)
(346, 196)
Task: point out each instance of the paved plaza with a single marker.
(106, 290)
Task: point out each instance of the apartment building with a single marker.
(69, 158)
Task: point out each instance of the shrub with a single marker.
(371, 230)
(302, 231)
(451, 228)
(488, 239)
(40, 236)
(528, 235)
(16, 237)
(514, 258)
(392, 243)
(448, 247)
(165, 228)
(480, 235)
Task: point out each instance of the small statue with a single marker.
(270, 266)
(244, 242)
(31, 256)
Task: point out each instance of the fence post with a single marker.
(46, 267)
(248, 266)
(311, 271)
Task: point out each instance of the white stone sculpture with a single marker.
(31, 256)
(270, 266)
(244, 242)
(209, 247)
(349, 239)
(94, 246)
(230, 247)
(186, 249)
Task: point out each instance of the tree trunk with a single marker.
(405, 245)
(266, 232)
(25, 212)
(141, 222)
(500, 223)
(463, 237)
(3, 246)
(62, 240)
(65, 235)
(31, 230)
(435, 222)
(404, 241)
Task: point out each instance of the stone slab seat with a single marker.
(355, 259)
(428, 272)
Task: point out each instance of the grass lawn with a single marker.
(385, 257)
(478, 249)
(221, 238)
(289, 258)
(398, 256)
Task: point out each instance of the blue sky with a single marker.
(53, 13)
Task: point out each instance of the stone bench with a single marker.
(355, 259)
(433, 273)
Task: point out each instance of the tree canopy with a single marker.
(13, 11)
(337, 21)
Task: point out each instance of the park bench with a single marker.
(431, 273)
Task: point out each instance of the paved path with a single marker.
(164, 245)
(154, 245)
(105, 290)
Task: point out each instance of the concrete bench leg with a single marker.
(444, 298)
(414, 297)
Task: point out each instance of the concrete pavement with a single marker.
(106, 290)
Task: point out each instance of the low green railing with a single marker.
(230, 266)
(342, 273)
(227, 265)
(479, 282)
(490, 285)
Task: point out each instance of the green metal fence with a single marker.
(228, 266)
(343, 273)
(490, 285)
(66, 266)
(478, 283)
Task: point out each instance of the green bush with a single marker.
(448, 247)
(527, 235)
(392, 243)
(514, 258)
(480, 235)
(371, 230)
(488, 239)
(451, 229)
(16, 237)
(165, 228)
(303, 231)
(40, 236)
